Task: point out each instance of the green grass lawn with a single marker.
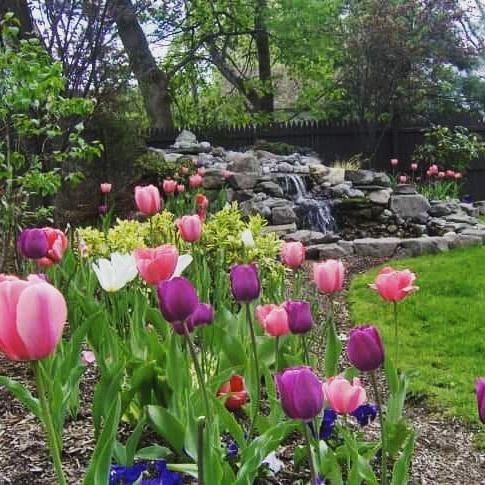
(442, 326)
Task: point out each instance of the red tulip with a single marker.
(293, 254)
(147, 199)
(169, 186)
(394, 285)
(32, 318)
(156, 264)
(236, 390)
(273, 319)
(190, 228)
(329, 276)
(105, 187)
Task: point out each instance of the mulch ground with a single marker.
(444, 453)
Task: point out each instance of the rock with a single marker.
(380, 196)
(382, 179)
(470, 209)
(409, 206)
(319, 171)
(280, 230)
(310, 161)
(367, 177)
(462, 240)
(267, 156)
(345, 189)
(405, 189)
(270, 188)
(440, 209)
(283, 215)
(334, 176)
(422, 245)
(481, 206)
(285, 167)
(302, 169)
(328, 251)
(475, 232)
(185, 140)
(212, 179)
(243, 180)
(244, 163)
(205, 146)
(461, 219)
(376, 247)
(308, 237)
(172, 157)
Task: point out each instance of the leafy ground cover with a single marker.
(441, 328)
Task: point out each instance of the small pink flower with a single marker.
(441, 175)
(403, 179)
(169, 186)
(105, 187)
(273, 319)
(201, 171)
(414, 167)
(433, 169)
(180, 188)
(190, 228)
(458, 175)
(394, 285)
(450, 174)
(195, 181)
(88, 357)
(293, 254)
(147, 199)
(394, 162)
(344, 397)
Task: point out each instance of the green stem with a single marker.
(277, 354)
(377, 395)
(313, 471)
(198, 371)
(47, 421)
(306, 356)
(396, 336)
(256, 369)
(151, 231)
(200, 449)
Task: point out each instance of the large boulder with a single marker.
(243, 162)
(283, 215)
(422, 245)
(212, 179)
(307, 237)
(270, 188)
(367, 177)
(376, 247)
(380, 196)
(409, 206)
(247, 180)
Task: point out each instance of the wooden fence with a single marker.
(335, 141)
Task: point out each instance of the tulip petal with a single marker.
(183, 262)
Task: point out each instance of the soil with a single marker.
(444, 451)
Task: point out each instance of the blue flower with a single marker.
(365, 414)
(129, 475)
(232, 449)
(165, 475)
(328, 424)
(126, 474)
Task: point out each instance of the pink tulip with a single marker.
(441, 175)
(180, 188)
(414, 167)
(293, 254)
(273, 319)
(147, 199)
(156, 264)
(226, 174)
(195, 181)
(344, 397)
(329, 276)
(450, 174)
(458, 176)
(32, 319)
(57, 245)
(429, 173)
(105, 187)
(190, 228)
(88, 357)
(394, 162)
(195, 161)
(7, 277)
(201, 171)
(433, 169)
(169, 186)
(403, 179)
(394, 285)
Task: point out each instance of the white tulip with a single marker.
(182, 263)
(247, 238)
(113, 275)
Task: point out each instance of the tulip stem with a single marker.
(151, 231)
(306, 356)
(308, 442)
(198, 370)
(396, 335)
(256, 369)
(200, 449)
(277, 354)
(377, 395)
(47, 421)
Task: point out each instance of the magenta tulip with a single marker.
(480, 392)
(156, 264)
(245, 284)
(300, 392)
(32, 318)
(344, 397)
(329, 276)
(147, 199)
(190, 228)
(365, 349)
(292, 254)
(178, 299)
(33, 243)
(394, 285)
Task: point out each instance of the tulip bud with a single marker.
(403, 179)
(180, 188)
(169, 186)
(300, 318)
(237, 390)
(201, 171)
(178, 299)
(300, 392)
(245, 284)
(329, 276)
(365, 349)
(105, 187)
(293, 254)
(394, 162)
(414, 167)
(480, 392)
(33, 243)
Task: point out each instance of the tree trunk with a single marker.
(261, 37)
(153, 82)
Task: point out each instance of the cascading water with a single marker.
(316, 213)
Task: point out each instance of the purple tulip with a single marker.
(33, 244)
(202, 315)
(300, 318)
(245, 284)
(365, 349)
(301, 393)
(178, 299)
(480, 390)
(102, 210)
